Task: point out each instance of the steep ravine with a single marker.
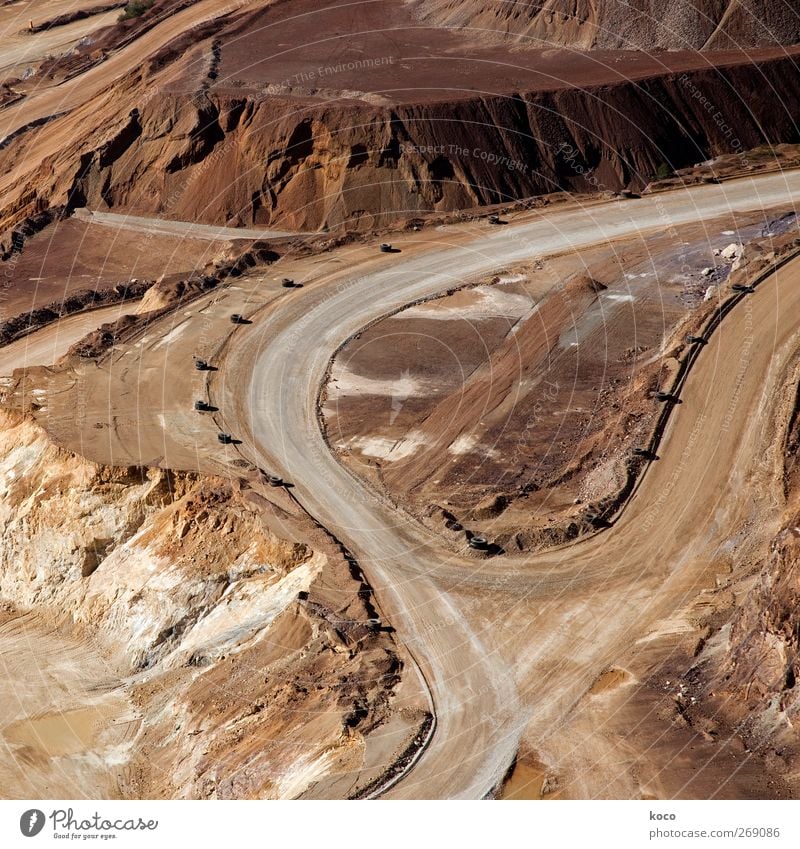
(203, 655)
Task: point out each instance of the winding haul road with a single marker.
(492, 659)
(636, 574)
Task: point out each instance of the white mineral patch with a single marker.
(20, 460)
(732, 251)
(463, 445)
(304, 771)
(487, 302)
(174, 334)
(247, 607)
(345, 382)
(384, 448)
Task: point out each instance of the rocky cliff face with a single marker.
(753, 683)
(620, 24)
(247, 656)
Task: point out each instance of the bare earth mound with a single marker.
(509, 408)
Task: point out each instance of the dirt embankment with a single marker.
(746, 676)
(740, 682)
(360, 165)
(121, 33)
(520, 408)
(755, 685)
(738, 687)
(74, 15)
(617, 24)
(77, 302)
(310, 162)
(247, 662)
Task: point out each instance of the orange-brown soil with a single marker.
(230, 658)
(509, 408)
(372, 120)
(71, 255)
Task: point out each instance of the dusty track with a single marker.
(53, 100)
(46, 346)
(165, 227)
(508, 645)
(21, 48)
(608, 588)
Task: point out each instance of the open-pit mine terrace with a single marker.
(384, 115)
(506, 655)
(220, 602)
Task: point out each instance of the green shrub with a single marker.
(664, 171)
(135, 8)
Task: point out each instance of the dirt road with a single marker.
(184, 229)
(49, 344)
(51, 100)
(21, 49)
(622, 582)
(507, 646)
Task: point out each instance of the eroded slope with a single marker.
(408, 119)
(616, 24)
(511, 409)
(235, 663)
